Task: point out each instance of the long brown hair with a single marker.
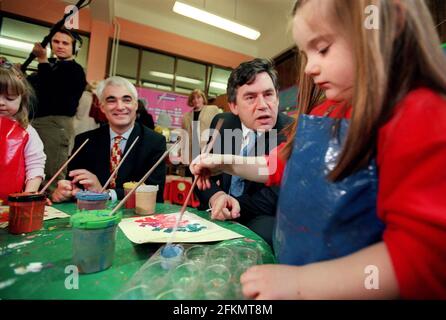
(404, 53)
(13, 82)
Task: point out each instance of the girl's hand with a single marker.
(271, 282)
(204, 166)
(63, 192)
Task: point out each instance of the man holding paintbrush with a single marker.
(92, 167)
(252, 128)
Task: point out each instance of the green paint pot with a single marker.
(94, 238)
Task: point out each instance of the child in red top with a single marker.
(392, 70)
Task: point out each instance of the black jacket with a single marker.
(257, 199)
(58, 86)
(95, 157)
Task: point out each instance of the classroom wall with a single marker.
(51, 11)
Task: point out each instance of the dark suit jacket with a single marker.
(257, 199)
(95, 157)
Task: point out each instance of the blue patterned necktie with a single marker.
(237, 183)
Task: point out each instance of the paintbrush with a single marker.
(206, 149)
(144, 178)
(63, 166)
(119, 165)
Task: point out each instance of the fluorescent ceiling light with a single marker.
(156, 86)
(19, 45)
(214, 84)
(170, 76)
(218, 85)
(214, 20)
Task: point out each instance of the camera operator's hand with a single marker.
(40, 53)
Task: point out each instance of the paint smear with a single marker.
(7, 283)
(18, 244)
(166, 223)
(32, 267)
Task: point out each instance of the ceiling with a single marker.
(270, 17)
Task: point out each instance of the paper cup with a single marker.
(145, 200)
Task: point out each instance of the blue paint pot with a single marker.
(88, 200)
(171, 256)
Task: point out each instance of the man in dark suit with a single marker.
(253, 128)
(92, 166)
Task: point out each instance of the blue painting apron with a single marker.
(317, 219)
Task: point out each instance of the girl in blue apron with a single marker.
(362, 212)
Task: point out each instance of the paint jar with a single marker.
(94, 238)
(171, 256)
(197, 254)
(88, 200)
(185, 277)
(215, 280)
(245, 256)
(130, 202)
(221, 255)
(26, 212)
(172, 294)
(155, 277)
(135, 293)
(145, 199)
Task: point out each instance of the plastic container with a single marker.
(88, 200)
(171, 256)
(26, 212)
(145, 200)
(94, 238)
(130, 202)
(197, 254)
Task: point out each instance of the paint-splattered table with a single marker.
(37, 265)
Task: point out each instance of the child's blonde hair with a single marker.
(402, 54)
(13, 83)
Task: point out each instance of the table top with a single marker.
(37, 265)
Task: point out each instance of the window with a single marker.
(127, 65)
(157, 71)
(190, 76)
(169, 73)
(219, 81)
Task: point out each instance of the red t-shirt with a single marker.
(412, 193)
(411, 159)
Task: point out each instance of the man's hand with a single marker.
(40, 53)
(224, 206)
(87, 179)
(64, 191)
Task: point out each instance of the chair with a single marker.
(178, 193)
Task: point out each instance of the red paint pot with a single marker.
(25, 212)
